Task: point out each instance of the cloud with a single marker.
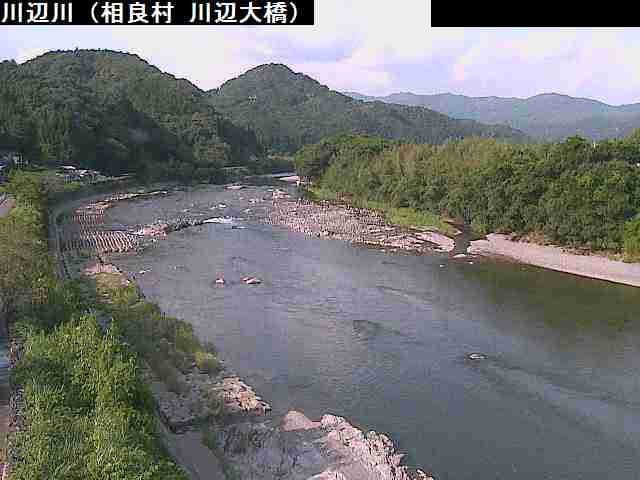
(29, 53)
(375, 51)
(598, 63)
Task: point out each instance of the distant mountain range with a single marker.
(548, 116)
(288, 110)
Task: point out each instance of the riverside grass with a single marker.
(87, 412)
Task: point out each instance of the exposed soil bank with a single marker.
(556, 258)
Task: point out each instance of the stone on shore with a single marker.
(355, 225)
(297, 448)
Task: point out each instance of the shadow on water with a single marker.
(463, 240)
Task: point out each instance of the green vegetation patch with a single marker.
(632, 239)
(409, 217)
(574, 193)
(87, 412)
(115, 113)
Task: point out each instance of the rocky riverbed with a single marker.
(259, 446)
(296, 448)
(351, 224)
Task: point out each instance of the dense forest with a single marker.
(288, 110)
(573, 193)
(115, 113)
(548, 116)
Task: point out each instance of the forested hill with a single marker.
(288, 110)
(548, 116)
(116, 113)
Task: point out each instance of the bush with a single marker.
(87, 414)
(210, 439)
(207, 362)
(632, 238)
(170, 376)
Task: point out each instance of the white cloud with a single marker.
(28, 53)
(351, 46)
(346, 76)
(598, 63)
(356, 47)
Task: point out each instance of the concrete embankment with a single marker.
(556, 258)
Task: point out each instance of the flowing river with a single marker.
(383, 339)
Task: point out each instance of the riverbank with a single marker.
(557, 258)
(405, 217)
(246, 441)
(339, 220)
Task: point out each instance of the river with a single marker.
(382, 339)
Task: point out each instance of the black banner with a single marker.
(502, 13)
(177, 12)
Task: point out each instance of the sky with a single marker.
(367, 50)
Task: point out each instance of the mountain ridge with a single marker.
(547, 116)
(289, 109)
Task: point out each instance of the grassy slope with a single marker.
(88, 412)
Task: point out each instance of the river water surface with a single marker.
(382, 339)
